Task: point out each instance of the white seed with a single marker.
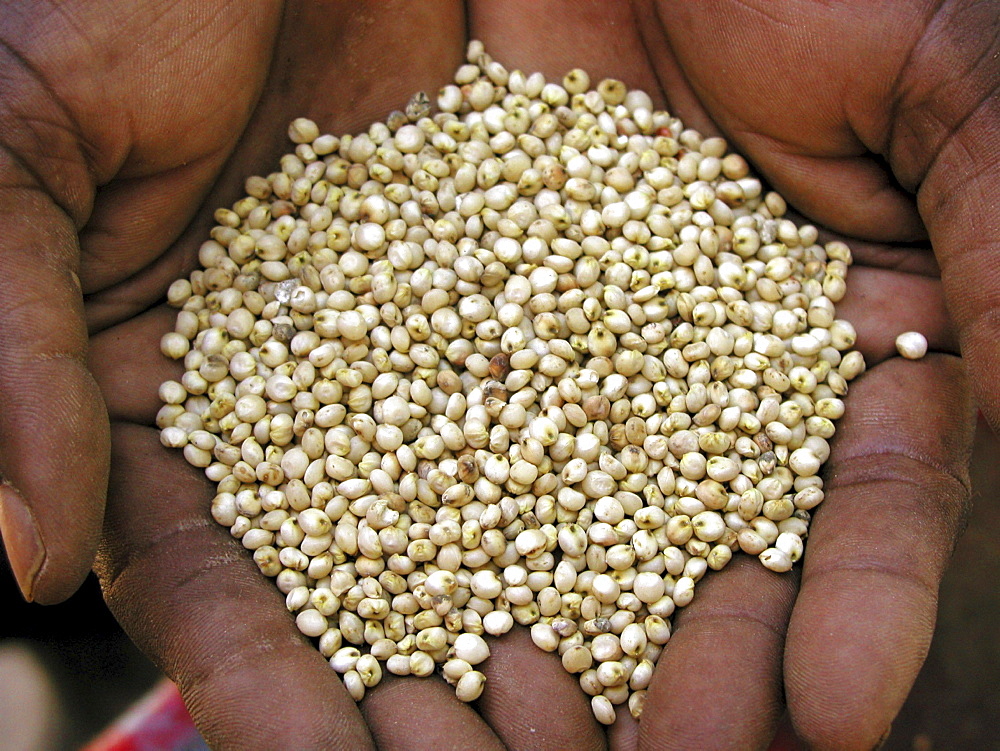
(472, 648)
(311, 623)
(912, 345)
(354, 684)
(603, 710)
(497, 623)
(776, 560)
(470, 686)
(544, 637)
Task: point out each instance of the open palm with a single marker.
(120, 128)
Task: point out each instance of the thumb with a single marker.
(54, 442)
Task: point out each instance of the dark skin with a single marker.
(122, 126)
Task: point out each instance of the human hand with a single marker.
(115, 129)
(116, 125)
(846, 119)
(562, 36)
(97, 181)
(808, 111)
(809, 93)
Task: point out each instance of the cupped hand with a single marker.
(118, 126)
(879, 123)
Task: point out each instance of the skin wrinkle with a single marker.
(139, 293)
(102, 265)
(916, 490)
(741, 609)
(43, 158)
(941, 197)
(192, 576)
(195, 674)
(112, 577)
(44, 357)
(760, 9)
(881, 461)
(926, 104)
(724, 618)
(151, 550)
(34, 183)
(881, 569)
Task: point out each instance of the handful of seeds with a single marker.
(543, 357)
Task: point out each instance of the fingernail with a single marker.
(884, 739)
(25, 551)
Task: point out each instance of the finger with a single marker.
(193, 601)
(763, 74)
(896, 501)
(682, 101)
(854, 194)
(128, 366)
(958, 199)
(423, 713)
(159, 109)
(882, 304)
(53, 426)
(717, 683)
(907, 257)
(551, 37)
(532, 702)
(338, 74)
(624, 734)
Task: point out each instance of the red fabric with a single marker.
(158, 722)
